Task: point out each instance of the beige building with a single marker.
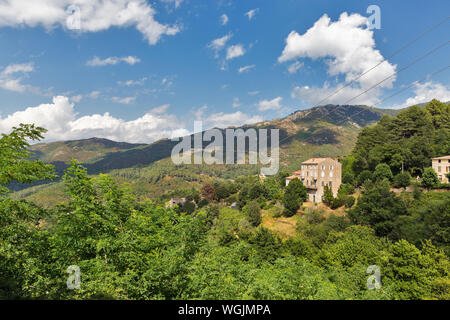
(316, 173)
(442, 167)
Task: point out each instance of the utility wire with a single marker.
(386, 59)
(384, 99)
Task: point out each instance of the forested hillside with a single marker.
(329, 130)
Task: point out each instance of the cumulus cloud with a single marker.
(97, 62)
(426, 92)
(274, 104)
(224, 120)
(224, 19)
(62, 122)
(348, 47)
(250, 14)
(293, 68)
(235, 51)
(246, 68)
(92, 15)
(12, 75)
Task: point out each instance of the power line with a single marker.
(386, 59)
(402, 69)
(388, 97)
(412, 84)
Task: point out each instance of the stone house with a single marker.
(442, 167)
(316, 173)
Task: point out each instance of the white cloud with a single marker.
(236, 103)
(293, 68)
(198, 113)
(235, 51)
(219, 44)
(126, 100)
(224, 19)
(130, 83)
(273, 104)
(246, 68)
(12, 75)
(60, 118)
(94, 94)
(250, 14)
(76, 98)
(224, 120)
(161, 109)
(426, 92)
(175, 2)
(253, 93)
(95, 15)
(348, 47)
(97, 62)
(312, 96)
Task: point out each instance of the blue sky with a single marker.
(146, 73)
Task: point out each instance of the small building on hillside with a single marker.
(176, 201)
(296, 174)
(442, 167)
(316, 173)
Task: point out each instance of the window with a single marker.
(322, 174)
(322, 184)
(331, 174)
(439, 169)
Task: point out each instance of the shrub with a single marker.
(402, 180)
(364, 176)
(253, 212)
(382, 171)
(349, 202)
(429, 178)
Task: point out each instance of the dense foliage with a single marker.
(129, 248)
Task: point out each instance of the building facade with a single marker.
(316, 173)
(442, 167)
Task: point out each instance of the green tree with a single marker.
(327, 197)
(15, 158)
(402, 180)
(253, 212)
(188, 207)
(364, 176)
(378, 208)
(429, 178)
(382, 171)
(294, 196)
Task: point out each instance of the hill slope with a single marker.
(321, 131)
